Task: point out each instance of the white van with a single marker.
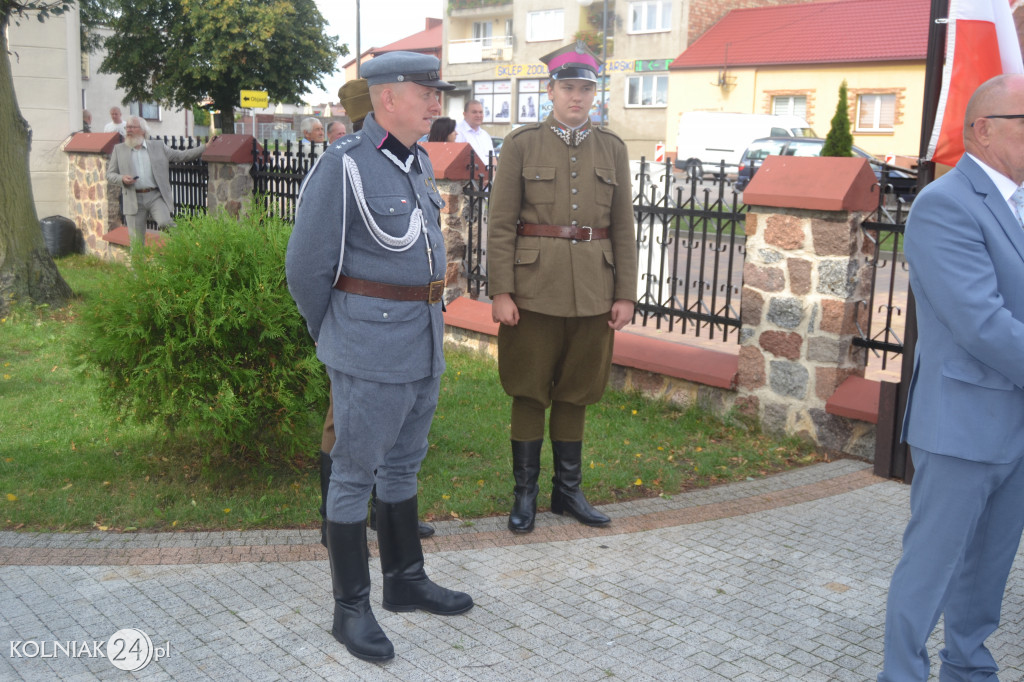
(707, 138)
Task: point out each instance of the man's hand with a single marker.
(128, 180)
(621, 315)
(504, 310)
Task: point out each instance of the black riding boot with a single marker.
(525, 470)
(325, 482)
(425, 530)
(566, 495)
(406, 585)
(354, 623)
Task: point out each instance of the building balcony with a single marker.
(475, 50)
(457, 8)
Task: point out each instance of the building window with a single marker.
(546, 25)
(790, 105)
(532, 104)
(496, 99)
(482, 32)
(647, 91)
(876, 112)
(649, 17)
(147, 110)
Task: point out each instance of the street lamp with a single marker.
(604, 52)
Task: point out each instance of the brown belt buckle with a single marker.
(436, 291)
(590, 233)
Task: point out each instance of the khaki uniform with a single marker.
(561, 349)
(541, 179)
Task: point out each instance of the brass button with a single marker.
(575, 191)
(575, 206)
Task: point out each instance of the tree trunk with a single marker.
(27, 271)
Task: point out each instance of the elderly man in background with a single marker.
(116, 124)
(141, 167)
(469, 130)
(335, 130)
(312, 132)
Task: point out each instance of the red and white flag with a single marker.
(981, 42)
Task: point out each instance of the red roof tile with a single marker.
(814, 33)
(424, 41)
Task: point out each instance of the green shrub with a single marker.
(839, 141)
(202, 336)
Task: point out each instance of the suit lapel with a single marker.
(995, 202)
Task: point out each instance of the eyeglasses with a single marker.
(1000, 116)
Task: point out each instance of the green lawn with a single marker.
(67, 463)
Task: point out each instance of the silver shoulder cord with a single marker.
(395, 244)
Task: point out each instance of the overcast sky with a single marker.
(383, 22)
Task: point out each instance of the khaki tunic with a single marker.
(540, 179)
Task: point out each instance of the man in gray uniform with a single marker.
(366, 267)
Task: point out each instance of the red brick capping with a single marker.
(815, 183)
(856, 398)
(230, 149)
(676, 360)
(120, 236)
(451, 160)
(92, 143)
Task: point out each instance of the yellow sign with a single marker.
(254, 99)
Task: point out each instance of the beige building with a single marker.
(46, 65)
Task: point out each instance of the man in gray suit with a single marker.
(965, 410)
(141, 167)
(366, 267)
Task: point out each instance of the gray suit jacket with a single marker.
(966, 255)
(159, 157)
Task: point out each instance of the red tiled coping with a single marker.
(675, 360)
(856, 398)
(120, 236)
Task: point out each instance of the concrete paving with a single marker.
(782, 578)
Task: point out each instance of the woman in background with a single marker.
(442, 130)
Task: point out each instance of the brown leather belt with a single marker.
(431, 293)
(148, 189)
(581, 233)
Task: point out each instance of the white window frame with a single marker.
(789, 107)
(875, 125)
(483, 31)
(545, 25)
(640, 16)
(145, 110)
(643, 80)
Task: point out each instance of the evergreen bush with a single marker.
(839, 141)
(202, 336)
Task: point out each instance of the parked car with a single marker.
(904, 182)
(706, 139)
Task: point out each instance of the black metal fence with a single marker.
(189, 180)
(278, 170)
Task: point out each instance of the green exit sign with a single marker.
(651, 64)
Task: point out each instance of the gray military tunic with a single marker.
(384, 357)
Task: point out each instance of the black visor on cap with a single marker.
(575, 72)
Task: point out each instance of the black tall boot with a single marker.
(566, 495)
(425, 530)
(354, 623)
(325, 482)
(525, 470)
(406, 585)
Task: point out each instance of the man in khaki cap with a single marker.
(561, 267)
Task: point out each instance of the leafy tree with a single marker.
(181, 52)
(839, 141)
(27, 271)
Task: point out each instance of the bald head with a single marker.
(998, 142)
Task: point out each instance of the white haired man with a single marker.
(141, 167)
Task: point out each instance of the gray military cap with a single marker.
(402, 67)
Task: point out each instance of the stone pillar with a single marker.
(229, 159)
(803, 276)
(451, 170)
(93, 205)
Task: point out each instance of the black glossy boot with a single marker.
(406, 585)
(525, 471)
(425, 530)
(354, 623)
(325, 482)
(566, 496)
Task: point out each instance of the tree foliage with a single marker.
(839, 141)
(181, 52)
(27, 272)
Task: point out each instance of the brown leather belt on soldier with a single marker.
(431, 293)
(581, 233)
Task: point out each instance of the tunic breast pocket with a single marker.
(605, 190)
(391, 212)
(539, 184)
